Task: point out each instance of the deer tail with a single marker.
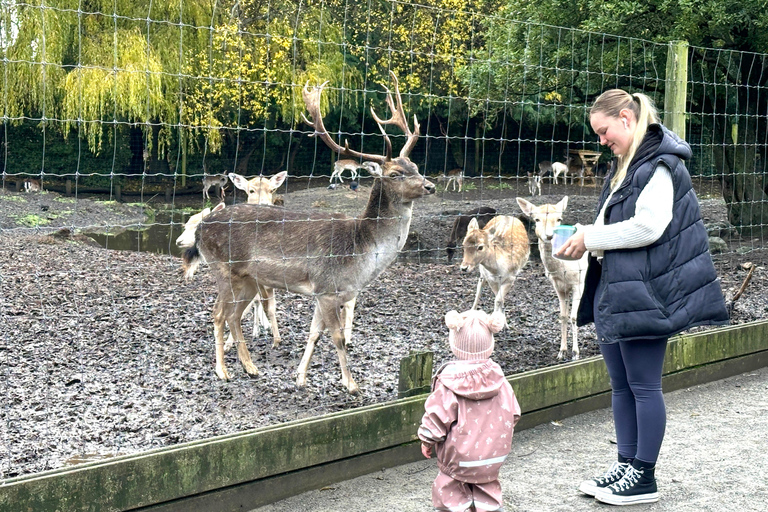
(190, 261)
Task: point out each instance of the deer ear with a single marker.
(218, 207)
(473, 225)
(239, 181)
(526, 206)
(277, 180)
(374, 169)
(563, 204)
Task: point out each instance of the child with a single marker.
(470, 417)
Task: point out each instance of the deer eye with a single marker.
(480, 247)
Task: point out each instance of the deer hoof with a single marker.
(575, 357)
(222, 373)
(353, 388)
(250, 369)
(560, 355)
(301, 380)
(276, 342)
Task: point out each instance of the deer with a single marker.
(31, 185)
(330, 257)
(534, 183)
(214, 181)
(260, 190)
(459, 229)
(453, 177)
(345, 165)
(500, 250)
(567, 276)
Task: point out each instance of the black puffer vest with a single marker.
(663, 288)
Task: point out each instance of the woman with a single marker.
(650, 276)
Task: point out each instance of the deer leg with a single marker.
(332, 316)
(348, 312)
(236, 330)
(477, 294)
(269, 305)
(218, 334)
(564, 319)
(315, 330)
(575, 301)
(230, 339)
(498, 303)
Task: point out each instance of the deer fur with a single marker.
(500, 250)
(330, 257)
(534, 183)
(459, 229)
(260, 189)
(453, 178)
(30, 185)
(566, 276)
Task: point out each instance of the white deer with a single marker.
(534, 183)
(346, 165)
(566, 276)
(330, 257)
(500, 250)
(215, 181)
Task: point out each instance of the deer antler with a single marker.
(398, 119)
(312, 100)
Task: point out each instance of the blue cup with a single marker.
(559, 235)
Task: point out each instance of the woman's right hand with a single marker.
(573, 248)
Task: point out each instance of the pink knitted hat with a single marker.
(471, 333)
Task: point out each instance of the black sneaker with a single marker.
(638, 485)
(613, 475)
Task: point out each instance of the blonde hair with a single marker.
(610, 104)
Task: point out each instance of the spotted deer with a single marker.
(31, 185)
(566, 276)
(330, 257)
(345, 165)
(500, 250)
(534, 183)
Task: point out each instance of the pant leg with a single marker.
(487, 496)
(644, 361)
(449, 495)
(622, 400)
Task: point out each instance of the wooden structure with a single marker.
(583, 162)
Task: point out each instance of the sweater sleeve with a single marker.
(441, 411)
(653, 213)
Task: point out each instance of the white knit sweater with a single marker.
(653, 213)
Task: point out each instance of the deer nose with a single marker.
(465, 268)
(429, 186)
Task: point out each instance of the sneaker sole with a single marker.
(588, 488)
(612, 499)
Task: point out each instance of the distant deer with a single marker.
(556, 169)
(500, 250)
(216, 181)
(345, 165)
(566, 276)
(30, 185)
(330, 257)
(534, 183)
(453, 177)
(459, 229)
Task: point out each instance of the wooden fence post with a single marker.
(676, 87)
(415, 374)
(68, 188)
(118, 193)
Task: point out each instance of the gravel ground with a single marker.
(106, 353)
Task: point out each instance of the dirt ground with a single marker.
(105, 353)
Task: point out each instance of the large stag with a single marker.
(330, 257)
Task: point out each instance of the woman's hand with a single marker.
(574, 247)
(426, 450)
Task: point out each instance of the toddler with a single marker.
(470, 417)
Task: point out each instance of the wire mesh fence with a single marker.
(116, 114)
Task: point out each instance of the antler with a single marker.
(312, 100)
(398, 119)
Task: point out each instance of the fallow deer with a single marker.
(330, 257)
(459, 229)
(566, 276)
(500, 250)
(215, 181)
(345, 165)
(534, 183)
(453, 178)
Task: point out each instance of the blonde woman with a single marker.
(650, 276)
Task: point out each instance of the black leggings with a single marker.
(639, 414)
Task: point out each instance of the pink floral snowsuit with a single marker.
(470, 416)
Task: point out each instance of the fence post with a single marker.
(676, 87)
(68, 188)
(415, 374)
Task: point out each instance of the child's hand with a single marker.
(426, 450)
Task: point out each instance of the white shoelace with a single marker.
(629, 479)
(614, 471)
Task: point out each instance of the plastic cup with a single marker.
(559, 235)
